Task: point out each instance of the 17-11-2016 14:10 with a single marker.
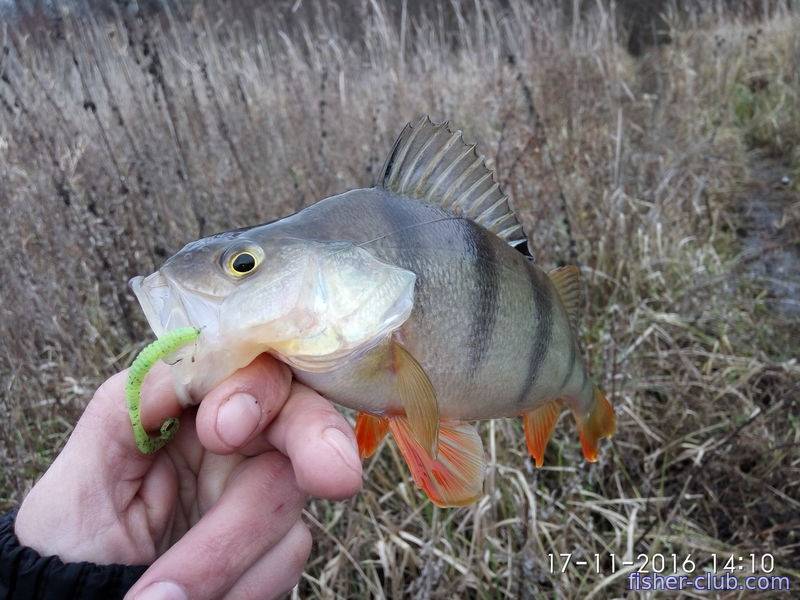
(661, 563)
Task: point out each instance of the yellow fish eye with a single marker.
(242, 263)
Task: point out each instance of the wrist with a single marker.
(26, 573)
(46, 526)
(71, 520)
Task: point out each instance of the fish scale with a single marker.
(406, 301)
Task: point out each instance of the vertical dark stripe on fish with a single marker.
(483, 304)
(540, 341)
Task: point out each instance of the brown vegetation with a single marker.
(123, 137)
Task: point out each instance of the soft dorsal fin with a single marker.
(567, 281)
(434, 164)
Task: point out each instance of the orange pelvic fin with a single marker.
(600, 423)
(455, 476)
(370, 431)
(539, 425)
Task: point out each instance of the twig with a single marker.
(538, 125)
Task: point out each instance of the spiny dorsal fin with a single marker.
(434, 164)
(567, 281)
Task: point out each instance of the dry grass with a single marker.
(123, 138)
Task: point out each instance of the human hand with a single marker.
(217, 511)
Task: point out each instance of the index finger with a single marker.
(269, 411)
(319, 442)
(242, 406)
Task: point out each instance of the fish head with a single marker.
(312, 304)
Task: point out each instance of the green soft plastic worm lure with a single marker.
(152, 353)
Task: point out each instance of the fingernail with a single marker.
(344, 447)
(237, 419)
(163, 590)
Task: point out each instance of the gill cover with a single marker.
(346, 302)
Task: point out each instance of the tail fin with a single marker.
(600, 423)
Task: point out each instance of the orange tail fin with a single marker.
(370, 431)
(600, 423)
(455, 476)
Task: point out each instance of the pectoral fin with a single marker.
(370, 431)
(418, 397)
(455, 476)
(539, 425)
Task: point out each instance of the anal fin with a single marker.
(370, 431)
(538, 425)
(455, 476)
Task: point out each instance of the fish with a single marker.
(408, 302)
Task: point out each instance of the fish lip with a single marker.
(160, 306)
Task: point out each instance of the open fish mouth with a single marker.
(161, 302)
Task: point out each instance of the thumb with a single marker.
(95, 476)
(104, 435)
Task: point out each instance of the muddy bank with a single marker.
(771, 249)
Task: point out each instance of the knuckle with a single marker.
(305, 541)
(276, 481)
(275, 468)
(267, 368)
(325, 416)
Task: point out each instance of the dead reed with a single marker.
(122, 137)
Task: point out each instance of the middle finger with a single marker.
(260, 504)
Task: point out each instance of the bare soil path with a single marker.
(769, 236)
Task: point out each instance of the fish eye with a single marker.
(242, 263)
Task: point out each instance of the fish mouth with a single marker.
(161, 302)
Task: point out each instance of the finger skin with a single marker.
(98, 473)
(258, 507)
(306, 431)
(106, 418)
(278, 571)
(296, 426)
(267, 380)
